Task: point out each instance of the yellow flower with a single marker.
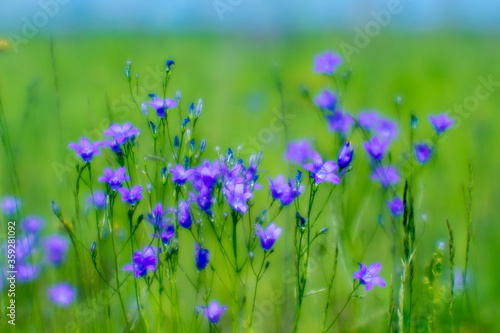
(4, 45)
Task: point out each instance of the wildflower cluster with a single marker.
(154, 198)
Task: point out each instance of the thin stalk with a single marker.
(330, 287)
(130, 216)
(110, 219)
(343, 308)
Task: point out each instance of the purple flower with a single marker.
(25, 246)
(367, 120)
(376, 148)
(85, 149)
(62, 294)
(277, 187)
(201, 256)
(237, 196)
(326, 63)
(299, 152)
(386, 175)
(345, 155)
(184, 215)
(121, 133)
(32, 223)
(167, 234)
(326, 100)
(322, 172)
(131, 196)
(396, 206)
(180, 175)
(213, 312)
(142, 262)
(268, 237)
(203, 198)
(27, 272)
(98, 200)
(115, 146)
(423, 152)
(56, 247)
(10, 204)
(207, 174)
(291, 192)
(156, 217)
(285, 192)
(160, 105)
(441, 122)
(386, 130)
(340, 122)
(368, 276)
(114, 179)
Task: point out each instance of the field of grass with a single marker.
(53, 94)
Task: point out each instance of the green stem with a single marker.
(236, 275)
(130, 216)
(110, 212)
(343, 308)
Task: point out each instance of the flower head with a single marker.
(156, 217)
(291, 191)
(204, 198)
(97, 200)
(121, 133)
(25, 247)
(386, 130)
(180, 175)
(27, 272)
(340, 122)
(184, 214)
(326, 63)
(423, 152)
(62, 294)
(115, 146)
(32, 223)
(376, 148)
(56, 247)
(386, 175)
(367, 120)
(131, 196)
(143, 261)
(299, 152)
(368, 276)
(85, 149)
(269, 236)
(201, 256)
(207, 174)
(277, 187)
(166, 234)
(322, 171)
(161, 106)
(345, 155)
(237, 195)
(10, 204)
(326, 100)
(286, 192)
(114, 179)
(441, 122)
(396, 206)
(213, 312)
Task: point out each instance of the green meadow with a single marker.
(54, 91)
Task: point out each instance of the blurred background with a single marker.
(62, 77)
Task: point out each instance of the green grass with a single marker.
(235, 76)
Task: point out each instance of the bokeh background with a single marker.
(63, 77)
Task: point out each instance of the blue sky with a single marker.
(255, 15)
